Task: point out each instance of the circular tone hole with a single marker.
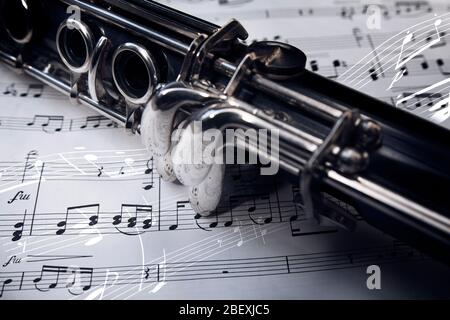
(131, 74)
(16, 17)
(73, 47)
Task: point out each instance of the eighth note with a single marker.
(36, 88)
(95, 120)
(93, 220)
(180, 205)
(47, 121)
(141, 212)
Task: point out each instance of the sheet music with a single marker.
(84, 216)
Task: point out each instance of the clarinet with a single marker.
(160, 73)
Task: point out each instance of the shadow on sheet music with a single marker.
(250, 198)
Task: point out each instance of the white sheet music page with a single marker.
(84, 216)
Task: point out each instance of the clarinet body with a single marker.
(153, 69)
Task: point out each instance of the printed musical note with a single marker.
(49, 277)
(412, 7)
(215, 223)
(423, 91)
(4, 284)
(35, 89)
(47, 121)
(138, 212)
(77, 277)
(202, 221)
(94, 120)
(17, 234)
(374, 73)
(180, 206)
(423, 61)
(337, 64)
(440, 63)
(229, 222)
(93, 219)
(420, 100)
(314, 65)
(149, 172)
(258, 205)
(30, 160)
(441, 43)
(441, 110)
(401, 61)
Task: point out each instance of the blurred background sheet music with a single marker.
(83, 215)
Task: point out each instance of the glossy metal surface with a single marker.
(130, 26)
(151, 71)
(63, 46)
(98, 57)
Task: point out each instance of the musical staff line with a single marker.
(401, 9)
(89, 166)
(58, 277)
(388, 51)
(56, 123)
(46, 224)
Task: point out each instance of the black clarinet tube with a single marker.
(413, 163)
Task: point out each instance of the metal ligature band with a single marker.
(157, 71)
